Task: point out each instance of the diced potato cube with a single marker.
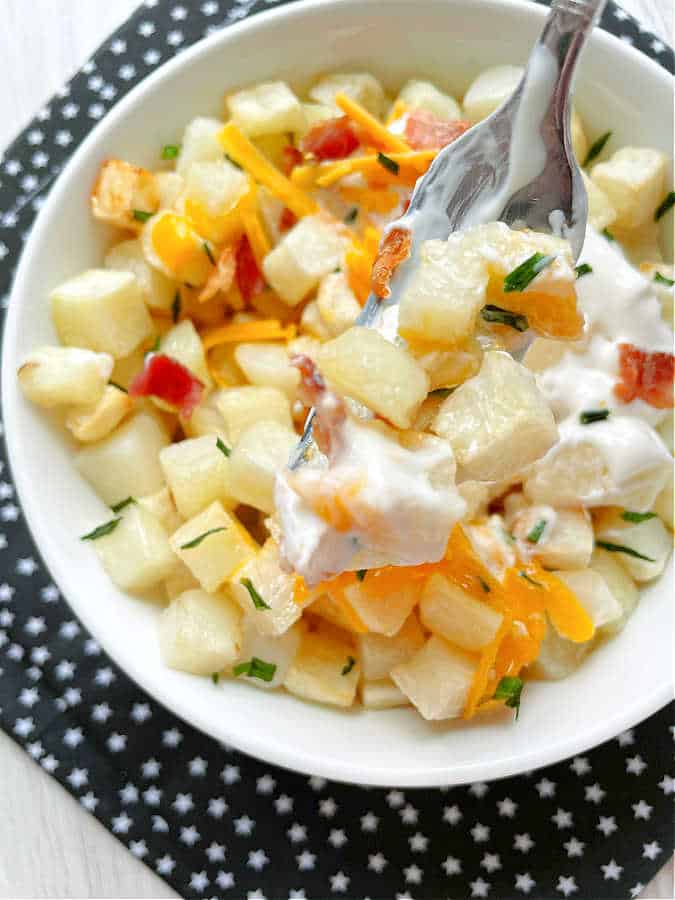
(476, 496)
(120, 190)
(360, 86)
(366, 366)
(213, 557)
(200, 633)
(212, 190)
(489, 90)
(497, 422)
(170, 185)
(183, 344)
(634, 179)
(593, 593)
(267, 365)
(305, 346)
(315, 113)
(242, 407)
(179, 581)
(101, 310)
(543, 353)
(425, 95)
(266, 108)
(276, 587)
(601, 213)
(379, 654)
(620, 584)
(207, 419)
(172, 244)
(382, 694)
(200, 143)
(161, 506)
(316, 673)
(126, 463)
(641, 244)
(157, 290)
(136, 554)
(278, 651)
(567, 540)
(94, 421)
(450, 612)
(382, 612)
(578, 136)
(666, 296)
(558, 656)
(261, 451)
(336, 304)
(436, 679)
(448, 368)
(312, 323)
(59, 376)
(127, 368)
(666, 431)
(197, 473)
(332, 607)
(442, 299)
(663, 505)
(309, 250)
(650, 539)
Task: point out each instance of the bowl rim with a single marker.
(292, 758)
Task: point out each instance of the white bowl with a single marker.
(622, 683)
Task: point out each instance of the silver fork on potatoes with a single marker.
(517, 166)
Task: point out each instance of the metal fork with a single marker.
(517, 166)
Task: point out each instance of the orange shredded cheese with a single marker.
(397, 110)
(372, 200)
(256, 330)
(411, 165)
(369, 125)
(257, 237)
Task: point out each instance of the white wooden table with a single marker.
(49, 847)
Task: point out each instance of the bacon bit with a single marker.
(331, 139)
(395, 248)
(287, 219)
(424, 131)
(249, 277)
(329, 409)
(166, 379)
(290, 158)
(221, 278)
(644, 375)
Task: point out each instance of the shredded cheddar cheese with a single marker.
(256, 330)
(260, 244)
(376, 132)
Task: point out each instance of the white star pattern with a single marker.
(369, 822)
(546, 788)
(523, 842)
(626, 738)
(217, 807)
(27, 565)
(139, 848)
(607, 825)
(49, 763)
(413, 874)
(140, 712)
(189, 835)
(635, 765)
(479, 888)
(594, 793)
(283, 804)
(159, 825)
(574, 847)
(337, 838)
(23, 727)
(667, 785)
(507, 807)
(525, 882)
(339, 883)
(172, 737)
(418, 843)
(89, 801)
(165, 865)
(69, 630)
(642, 810)
(328, 808)
(183, 803)
(265, 784)
(215, 852)
(480, 833)
(152, 796)
(611, 871)
(491, 862)
(197, 767)
(395, 799)
(64, 670)
(637, 889)
(567, 885)
(128, 794)
(116, 742)
(199, 882)
(230, 774)
(376, 862)
(122, 823)
(104, 677)
(452, 814)
(562, 818)
(150, 768)
(244, 825)
(78, 778)
(451, 866)
(29, 696)
(225, 880)
(651, 850)
(306, 861)
(479, 789)
(297, 833)
(409, 815)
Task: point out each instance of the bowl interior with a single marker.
(449, 41)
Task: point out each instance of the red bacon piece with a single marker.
(644, 375)
(331, 139)
(250, 280)
(168, 380)
(287, 219)
(424, 131)
(329, 409)
(291, 157)
(395, 248)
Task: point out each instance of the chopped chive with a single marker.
(662, 279)
(530, 580)
(233, 161)
(258, 601)
(256, 668)
(102, 530)
(526, 272)
(351, 662)
(351, 216)
(118, 507)
(215, 677)
(664, 207)
(175, 307)
(388, 163)
(509, 690)
(501, 316)
(588, 416)
(483, 583)
(170, 151)
(597, 147)
(637, 517)
(361, 574)
(155, 347)
(583, 269)
(608, 234)
(197, 541)
(209, 253)
(118, 386)
(142, 216)
(620, 548)
(224, 449)
(441, 392)
(534, 536)
(337, 269)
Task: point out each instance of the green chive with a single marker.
(118, 386)
(155, 347)
(608, 234)
(170, 151)
(118, 507)
(258, 601)
(233, 161)
(352, 214)
(441, 392)
(509, 690)
(620, 548)
(526, 272)
(102, 530)
(583, 269)
(256, 668)
(588, 416)
(662, 279)
(501, 316)
(597, 147)
(536, 533)
(530, 580)
(215, 677)
(667, 204)
(351, 662)
(637, 517)
(197, 541)
(361, 574)
(142, 216)
(483, 583)
(209, 253)
(175, 307)
(388, 163)
(224, 449)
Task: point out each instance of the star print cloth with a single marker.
(211, 821)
